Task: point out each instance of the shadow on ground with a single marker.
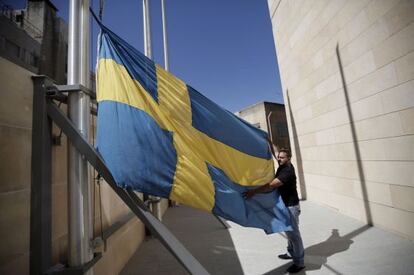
(317, 255)
(209, 242)
(212, 245)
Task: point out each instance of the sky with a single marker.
(222, 48)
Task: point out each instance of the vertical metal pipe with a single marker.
(79, 193)
(147, 29)
(164, 36)
(165, 43)
(148, 53)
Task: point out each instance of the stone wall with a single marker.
(347, 71)
(15, 153)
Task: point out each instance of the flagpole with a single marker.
(164, 36)
(147, 29)
(155, 206)
(79, 193)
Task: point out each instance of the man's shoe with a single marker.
(295, 268)
(285, 256)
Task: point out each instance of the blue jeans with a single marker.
(295, 244)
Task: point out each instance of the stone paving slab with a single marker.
(334, 244)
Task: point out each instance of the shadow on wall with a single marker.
(297, 150)
(355, 141)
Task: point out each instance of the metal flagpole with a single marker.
(165, 43)
(164, 36)
(147, 29)
(79, 193)
(148, 53)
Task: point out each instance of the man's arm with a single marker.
(274, 149)
(275, 183)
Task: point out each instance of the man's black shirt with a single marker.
(286, 174)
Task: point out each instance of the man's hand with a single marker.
(249, 193)
(268, 187)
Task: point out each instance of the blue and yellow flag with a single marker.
(160, 136)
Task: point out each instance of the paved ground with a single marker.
(335, 244)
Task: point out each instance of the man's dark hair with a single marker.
(286, 151)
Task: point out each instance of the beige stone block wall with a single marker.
(15, 178)
(356, 157)
(15, 155)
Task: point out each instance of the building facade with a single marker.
(17, 46)
(269, 117)
(35, 38)
(347, 72)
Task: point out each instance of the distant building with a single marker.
(35, 38)
(260, 113)
(17, 46)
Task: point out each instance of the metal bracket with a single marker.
(56, 92)
(152, 200)
(97, 242)
(72, 88)
(77, 270)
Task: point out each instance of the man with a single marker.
(285, 181)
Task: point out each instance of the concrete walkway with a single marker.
(335, 244)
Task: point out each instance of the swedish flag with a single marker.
(160, 136)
